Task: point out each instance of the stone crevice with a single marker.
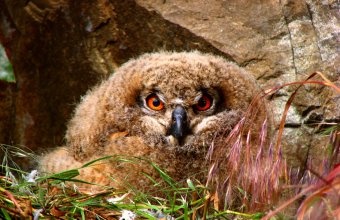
(310, 13)
(290, 40)
(101, 25)
(250, 61)
(309, 109)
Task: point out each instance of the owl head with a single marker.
(178, 101)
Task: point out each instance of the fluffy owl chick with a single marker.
(164, 107)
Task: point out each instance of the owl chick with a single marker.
(164, 107)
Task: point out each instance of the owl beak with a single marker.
(179, 126)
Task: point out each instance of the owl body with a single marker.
(165, 107)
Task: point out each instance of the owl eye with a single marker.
(154, 102)
(204, 103)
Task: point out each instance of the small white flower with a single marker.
(115, 200)
(158, 214)
(36, 214)
(127, 215)
(75, 188)
(30, 178)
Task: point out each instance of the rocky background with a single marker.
(61, 48)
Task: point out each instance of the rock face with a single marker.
(60, 48)
(6, 113)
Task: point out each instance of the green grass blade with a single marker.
(191, 185)
(164, 176)
(96, 160)
(82, 213)
(65, 175)
(6, 215)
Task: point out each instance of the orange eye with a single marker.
(154, 102)
(204, 103)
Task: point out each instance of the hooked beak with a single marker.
(179, 125)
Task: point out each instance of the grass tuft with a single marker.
(28, 196)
